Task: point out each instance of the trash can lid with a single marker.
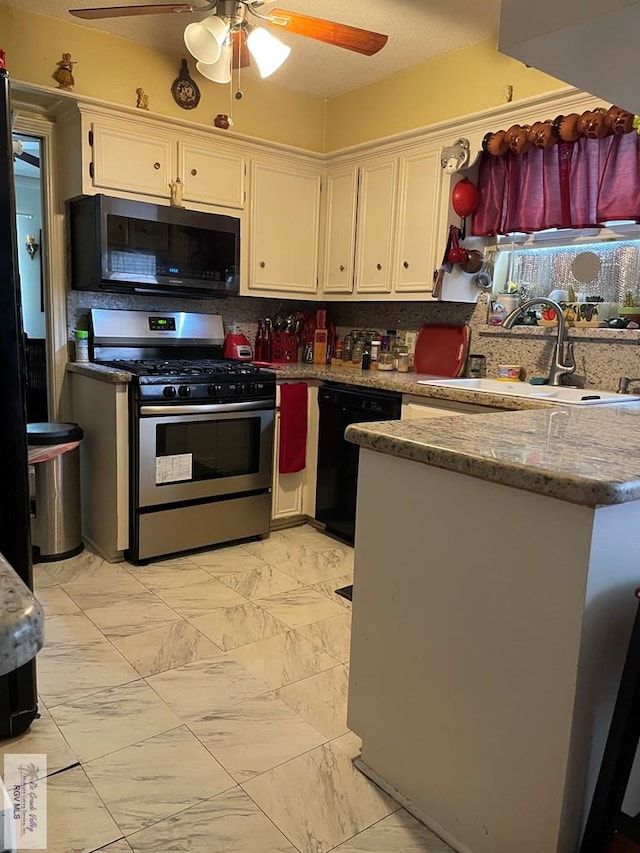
(48, 433)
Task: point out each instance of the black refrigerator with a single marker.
(18, 696)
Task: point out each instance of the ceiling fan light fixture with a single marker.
(204, 39)
(220, 71)
(268, 52)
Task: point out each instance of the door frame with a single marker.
(52, 259)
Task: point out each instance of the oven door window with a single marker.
(193, 456)
(212, 450)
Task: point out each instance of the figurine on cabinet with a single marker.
(223, 121)
(177, 189)
(63, 75)
(142, 99)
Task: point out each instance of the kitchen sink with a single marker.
(550, 393)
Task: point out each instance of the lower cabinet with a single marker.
(418, 407)
(294, 495)
(101, 410)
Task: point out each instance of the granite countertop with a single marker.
(402, 383)
(564, 452)
(21, 621)
(99, 371)
(569, 453)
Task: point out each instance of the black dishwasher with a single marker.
(337, 458)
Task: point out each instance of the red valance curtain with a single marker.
(572, 185)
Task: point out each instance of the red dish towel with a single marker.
(293, 427)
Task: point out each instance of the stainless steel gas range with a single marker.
(200, 431)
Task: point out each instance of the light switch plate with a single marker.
(410, 340)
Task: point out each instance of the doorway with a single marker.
(29, 212)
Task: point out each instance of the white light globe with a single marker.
(220, 71)
(205, 38)
(268, 52)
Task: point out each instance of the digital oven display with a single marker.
(162, 324)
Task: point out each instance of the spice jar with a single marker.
(375, 349)
(386, 360)
(358, 349)
(82, 345)
(402, 361)
(347, 347)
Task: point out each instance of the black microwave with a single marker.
(137, 247)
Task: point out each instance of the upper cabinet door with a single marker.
(341, 198)
(376, 208)
(211, 176)
(126, 160)
(418, 208)
(284, 224)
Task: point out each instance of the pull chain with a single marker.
(239, 93)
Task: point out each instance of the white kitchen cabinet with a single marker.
(288, 489)
(294, 495)
(340, 205)
(143, 157)
(418, 227)
(125, 159)
(388, 211)
(102, 411)
(374, 234)
(211, 174)
(284, 227)
(414, 407)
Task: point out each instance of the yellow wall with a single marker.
(112, 68)
(454, 84)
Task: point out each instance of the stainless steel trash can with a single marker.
(55, 490)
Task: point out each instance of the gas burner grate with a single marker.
(183, 368)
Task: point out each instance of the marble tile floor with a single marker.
(198, 705)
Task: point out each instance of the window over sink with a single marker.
(538, 271)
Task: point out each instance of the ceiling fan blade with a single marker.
(340, 35)
(240, 51)
(29, 158)
(128, 11)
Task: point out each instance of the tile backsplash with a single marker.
(601, 355)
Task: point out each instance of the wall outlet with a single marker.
(410, 340)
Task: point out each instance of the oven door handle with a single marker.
(208, 408)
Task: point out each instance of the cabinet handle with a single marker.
(194, 172)
(406, 265)
(263, 264)
(378, 267)
(341, 267)
(156, 165)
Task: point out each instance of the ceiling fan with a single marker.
(224, 40)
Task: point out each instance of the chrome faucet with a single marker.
(563, 362)
(623, 384)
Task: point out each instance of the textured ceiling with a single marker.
(417, 30)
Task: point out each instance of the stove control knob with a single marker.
(241, 388)
(169, 391)
(251, 388)
(184, 391)
(212, 390)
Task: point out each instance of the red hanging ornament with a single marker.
(464, 198)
